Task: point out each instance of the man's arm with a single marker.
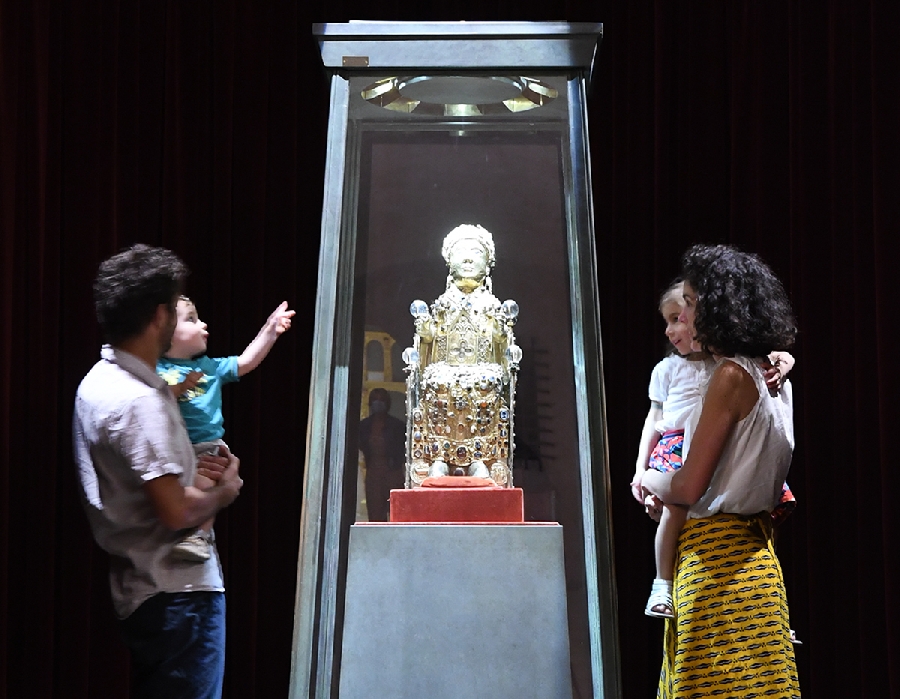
(256, 351)
(181, 507)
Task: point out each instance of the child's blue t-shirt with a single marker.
(201, 407)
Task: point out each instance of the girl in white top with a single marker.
(676, 388)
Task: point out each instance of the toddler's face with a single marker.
(676, 330)
(190, 335)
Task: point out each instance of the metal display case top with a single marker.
(367, 45)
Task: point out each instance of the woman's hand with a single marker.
(653, 506)
(772, 376)
(775, 368)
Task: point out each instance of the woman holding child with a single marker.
(730, 633)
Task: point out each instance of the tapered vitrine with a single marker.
(433, 125)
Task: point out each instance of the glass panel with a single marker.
(430, 153)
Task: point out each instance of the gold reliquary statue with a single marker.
(461, 371)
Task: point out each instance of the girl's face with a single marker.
(688, 312)
(676, 330)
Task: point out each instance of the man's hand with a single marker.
(227, 479)
(212, 466)
(186, 507)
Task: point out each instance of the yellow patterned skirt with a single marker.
(730, 636)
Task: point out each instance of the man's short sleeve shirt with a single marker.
(127, 430)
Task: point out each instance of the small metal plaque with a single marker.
(355, 61)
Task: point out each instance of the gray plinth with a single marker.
(455, 611)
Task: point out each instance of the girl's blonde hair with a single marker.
(675, 293)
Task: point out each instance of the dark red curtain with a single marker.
(201, 126)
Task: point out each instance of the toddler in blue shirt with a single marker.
(196, 381)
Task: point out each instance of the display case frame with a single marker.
(366, 137)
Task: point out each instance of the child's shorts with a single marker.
(784, 507)
(666, 457)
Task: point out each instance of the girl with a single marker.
(675, 390)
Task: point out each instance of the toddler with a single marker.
(196, 381)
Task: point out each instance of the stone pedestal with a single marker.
(455, 611)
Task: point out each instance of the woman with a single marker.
(730, 633)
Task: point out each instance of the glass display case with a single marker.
(434, 125)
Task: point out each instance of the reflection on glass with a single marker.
(382, 430)
(459, 95)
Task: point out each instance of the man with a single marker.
(137, 467)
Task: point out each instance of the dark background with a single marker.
(201, 126)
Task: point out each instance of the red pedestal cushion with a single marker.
(467, 504)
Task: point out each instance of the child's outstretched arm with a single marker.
(256, 351)
(649, 438)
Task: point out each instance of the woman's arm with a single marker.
(731, 396)
(649, 438)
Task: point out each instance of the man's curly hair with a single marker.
(131, 285)
(742, 307)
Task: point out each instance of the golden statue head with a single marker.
(471, 232)
(468, 251)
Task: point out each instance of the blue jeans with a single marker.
(177, 643)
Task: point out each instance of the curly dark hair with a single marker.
(131, 285)
(742, 307)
